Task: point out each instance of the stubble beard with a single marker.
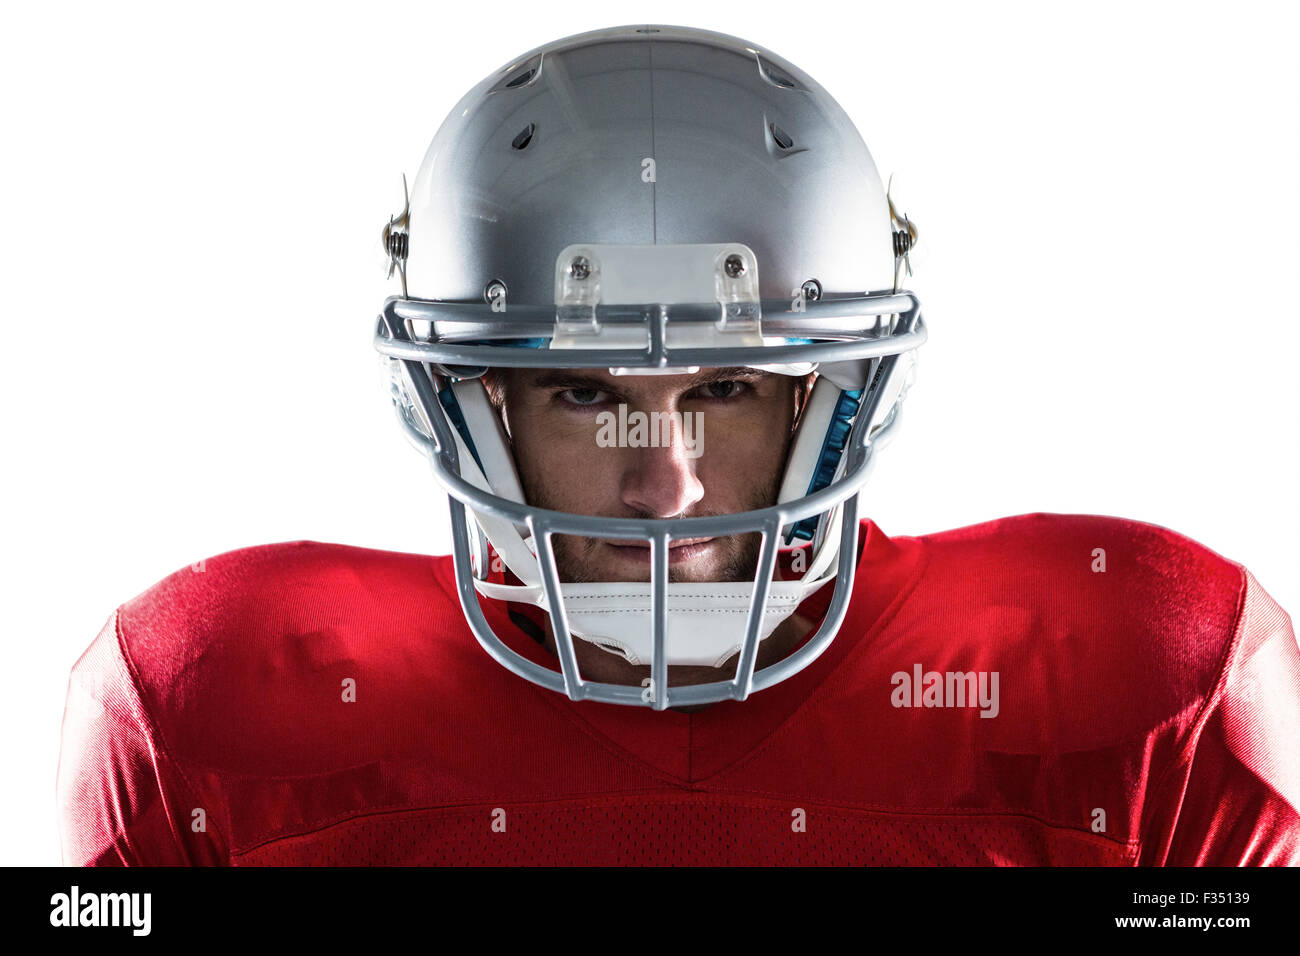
(576, 561)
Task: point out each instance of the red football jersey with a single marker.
(1045, 689)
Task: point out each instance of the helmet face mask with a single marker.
(695, 292)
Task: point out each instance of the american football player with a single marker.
(651, 335)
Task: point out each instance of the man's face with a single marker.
(650, 446)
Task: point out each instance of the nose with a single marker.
(661, 481)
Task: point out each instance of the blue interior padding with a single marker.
(447, 398)
(513, 343)
(837, 434)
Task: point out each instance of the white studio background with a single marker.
(192, 203)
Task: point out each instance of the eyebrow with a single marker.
(575, 378)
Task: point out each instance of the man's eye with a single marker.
(724, 389)
(584, 396)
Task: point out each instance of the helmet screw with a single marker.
(734, 266)
(812, 290)
(580, 267)
(494, 290)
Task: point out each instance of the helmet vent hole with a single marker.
(776, 76)
(780, 136)
(524, 136)
(522, 78)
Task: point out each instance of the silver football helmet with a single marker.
(649, 200)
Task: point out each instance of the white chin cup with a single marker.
(706, 620)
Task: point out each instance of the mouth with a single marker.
(685, 549)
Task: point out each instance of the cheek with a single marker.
(560, 463)
(742, 458)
